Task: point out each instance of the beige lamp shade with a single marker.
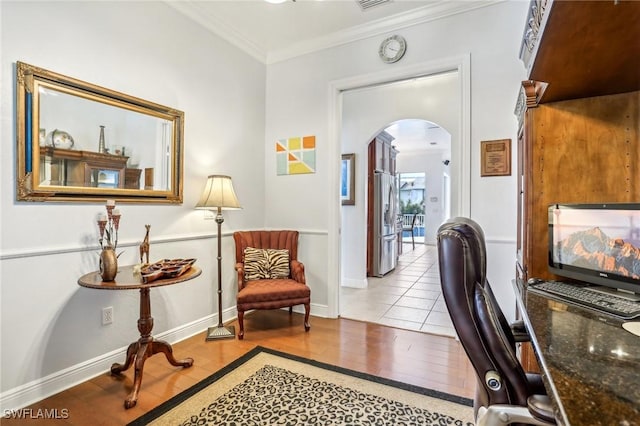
(218, 193)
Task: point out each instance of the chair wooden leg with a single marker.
(241, 325)
(290, 310)
(307, 309)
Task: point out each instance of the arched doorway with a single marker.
(458, 109)
(411, 157)
(366, 113)
(363, 115)
(406, 166)
(422, 163)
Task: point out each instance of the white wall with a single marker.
(299, 97)
(51, 332)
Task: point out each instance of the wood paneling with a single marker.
(581, 151)
(589, 48)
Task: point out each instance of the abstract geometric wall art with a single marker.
(296, 155)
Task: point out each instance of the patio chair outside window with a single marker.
(410, 228)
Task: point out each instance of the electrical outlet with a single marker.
(107, 315)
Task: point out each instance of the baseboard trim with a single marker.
(37, 390)
(316, 311)
(47, 386)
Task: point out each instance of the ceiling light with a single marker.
(275, 1)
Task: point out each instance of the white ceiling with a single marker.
(275, 32)
(412, 135)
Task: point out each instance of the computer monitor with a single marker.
(596, 243)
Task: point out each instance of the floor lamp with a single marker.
(218, 194)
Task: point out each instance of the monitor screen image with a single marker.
(596, 243)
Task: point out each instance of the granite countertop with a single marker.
(590, 364)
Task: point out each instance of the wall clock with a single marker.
(392, 49)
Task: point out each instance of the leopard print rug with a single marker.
(277, 390)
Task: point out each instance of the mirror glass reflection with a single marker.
(122, 148)
(78, 142)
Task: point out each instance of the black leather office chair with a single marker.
(505, 394)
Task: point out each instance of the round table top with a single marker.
(125, 279)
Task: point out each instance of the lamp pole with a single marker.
(218, 194)
(220, 332)
(219, 220)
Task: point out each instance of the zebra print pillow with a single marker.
(256, 266)
(262, 264)
(278, 263)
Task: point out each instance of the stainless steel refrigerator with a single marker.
(384, 224)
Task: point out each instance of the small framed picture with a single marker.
(108, 178)
(347, 180)
(495, 157)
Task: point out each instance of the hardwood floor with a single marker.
(420, 359)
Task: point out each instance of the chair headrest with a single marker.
(279, 239)
(473, 235)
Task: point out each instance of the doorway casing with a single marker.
(462, 176)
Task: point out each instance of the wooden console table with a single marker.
(146, 346)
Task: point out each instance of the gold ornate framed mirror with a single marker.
(77, 141)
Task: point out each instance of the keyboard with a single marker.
(590, 298)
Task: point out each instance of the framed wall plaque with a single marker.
(495, 157)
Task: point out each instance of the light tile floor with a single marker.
(409, 297)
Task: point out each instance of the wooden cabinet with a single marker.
(575, 151)
(579, 116)
(66, 167)
(383, 153)
(583, 48)
(132, 178)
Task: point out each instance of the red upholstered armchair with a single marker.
(270, 277)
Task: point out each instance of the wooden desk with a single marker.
(146, 346)
(591, 365)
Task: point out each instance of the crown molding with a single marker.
(193, 10)
(432, 12)
(437, 10)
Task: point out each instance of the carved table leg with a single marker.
(138, 352)
(165, 348)
(141, 357)
(131, 353)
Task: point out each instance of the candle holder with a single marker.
(108, 224)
